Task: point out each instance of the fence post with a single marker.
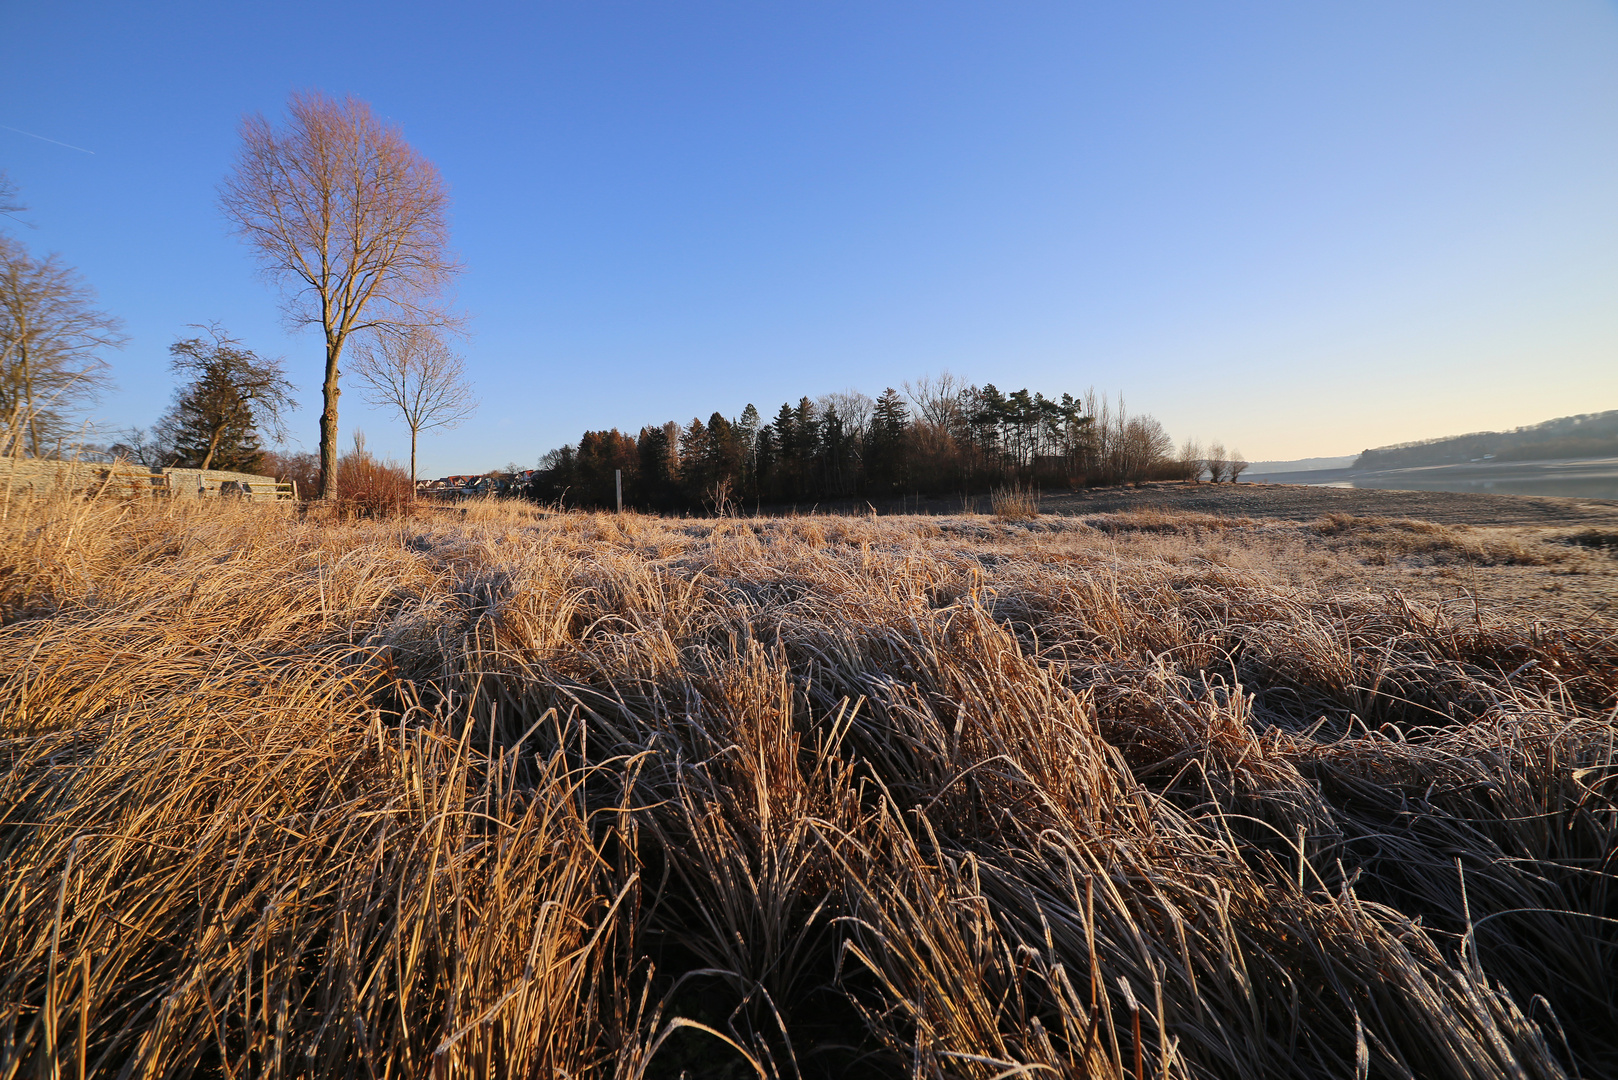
(618, 479)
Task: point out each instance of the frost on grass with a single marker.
(584, 795)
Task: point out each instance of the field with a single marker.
(1144, 793)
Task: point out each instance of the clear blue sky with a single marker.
(1304, 228)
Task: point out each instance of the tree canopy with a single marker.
(52, 341)
(940, 437)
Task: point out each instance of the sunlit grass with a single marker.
(516, 793)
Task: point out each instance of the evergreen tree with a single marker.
(886, 457)
(988, 417)
(766, 460)
(601, 456)
(806, 448)
(836, 460)
(212, 427)
(694, 460)
(727, 451)
(215, 419)
(786, 453)
(658, 467)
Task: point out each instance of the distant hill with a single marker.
(1592, 435)
(1308, 464)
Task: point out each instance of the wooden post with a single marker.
(618, 479)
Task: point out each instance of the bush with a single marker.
(370, 487)
(302, 469)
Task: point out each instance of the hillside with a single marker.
(1584, 436)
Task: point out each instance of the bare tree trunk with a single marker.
(28, 399)
(328, 422)
(412, 462)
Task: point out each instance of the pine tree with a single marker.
(786, 453)
(806, 448)
(766, 461)
(988, 416)
(886, 451)
(747, 428)
(215, 419)
(658, 465)
(213, 427)
(694, 459)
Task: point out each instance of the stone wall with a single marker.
(42, 477)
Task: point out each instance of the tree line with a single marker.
(941, 435)
(353, 223)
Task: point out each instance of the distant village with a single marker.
(451, 488)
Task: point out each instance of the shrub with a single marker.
(302, 469)
(368, 486)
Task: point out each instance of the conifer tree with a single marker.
(694, 459)
(215, 421)
(766, 459)
(658, 465)
(886, 450)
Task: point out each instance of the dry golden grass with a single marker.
(1014, 504)
(516, 794)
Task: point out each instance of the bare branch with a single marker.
(10, 202)
(232, 392)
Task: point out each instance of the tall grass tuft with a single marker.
(1014, 503)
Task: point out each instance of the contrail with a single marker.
(42, 138)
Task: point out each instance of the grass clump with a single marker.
(1014, 504)
(616, 796)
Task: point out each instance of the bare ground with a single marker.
(1297, 502)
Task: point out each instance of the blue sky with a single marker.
(1300, 228)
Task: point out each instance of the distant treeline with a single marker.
(940, 436)
(1584, 436)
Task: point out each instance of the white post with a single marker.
(618, 478)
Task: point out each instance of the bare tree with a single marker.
(1216, 463)
(1191, 465)
(1236, 465)
(1143, 447)
(51, 340)
(352, 220)
(417, 374)
(854, 409)
(142, 446)
(937, 399)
